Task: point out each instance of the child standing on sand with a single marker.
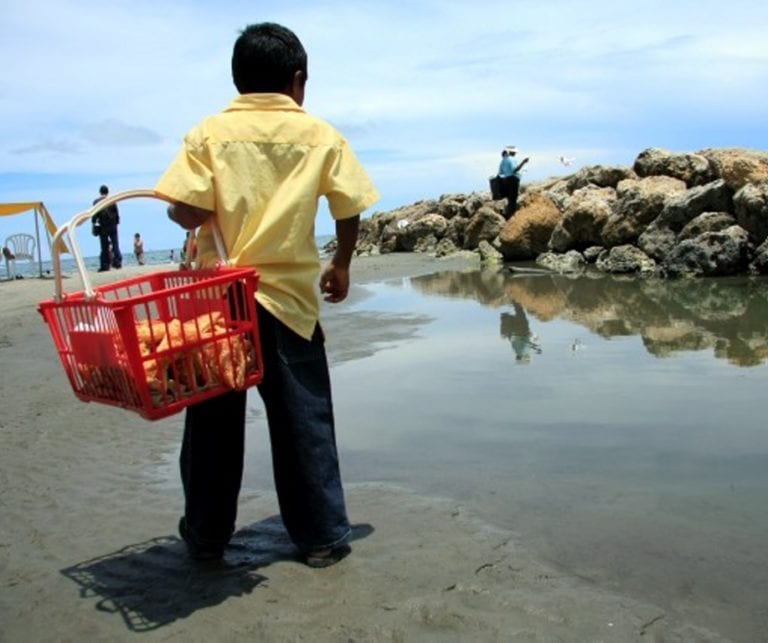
(259, 168)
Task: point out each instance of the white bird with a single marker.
(565, 160)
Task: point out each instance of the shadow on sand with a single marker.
(154, 583)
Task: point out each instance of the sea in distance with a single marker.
(151, 258)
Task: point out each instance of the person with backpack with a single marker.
(509, 174)
(105, 224)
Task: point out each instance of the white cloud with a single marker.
(112, 132)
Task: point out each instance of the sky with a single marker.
(427, 92)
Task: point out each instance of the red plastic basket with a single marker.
(155, 344)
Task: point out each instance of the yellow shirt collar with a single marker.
(264, 102)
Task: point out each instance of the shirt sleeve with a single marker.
(346, 184)
(189, 177)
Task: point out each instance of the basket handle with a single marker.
(68, 229)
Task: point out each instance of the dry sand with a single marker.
(89, 551)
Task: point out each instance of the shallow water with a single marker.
(616, 426)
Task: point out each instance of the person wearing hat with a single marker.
(509, 172)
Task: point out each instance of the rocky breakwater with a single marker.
(670, 214)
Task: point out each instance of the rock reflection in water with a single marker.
(728, 316)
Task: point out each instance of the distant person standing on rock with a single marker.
(509, 172)
(105, 224)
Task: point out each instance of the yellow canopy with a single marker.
(7, 209)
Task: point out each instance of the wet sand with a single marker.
(89, 550)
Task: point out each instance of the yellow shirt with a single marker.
(262, 165)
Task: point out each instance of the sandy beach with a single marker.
(89, 549)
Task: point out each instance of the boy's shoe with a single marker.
(195, 550)
(329, 557)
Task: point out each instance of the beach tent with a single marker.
(41, 212)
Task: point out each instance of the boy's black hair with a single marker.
(266, 57)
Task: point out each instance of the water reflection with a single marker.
(727, 316)
(515, 328)
(647, 476)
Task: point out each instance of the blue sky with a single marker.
(102, 91)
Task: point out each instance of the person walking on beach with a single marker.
(509, 173)
(105, 224)
(268, 222)
(138, 249)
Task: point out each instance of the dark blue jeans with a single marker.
(106, 238)
(296, 392)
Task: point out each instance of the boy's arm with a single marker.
(188, 216)
(334, 281)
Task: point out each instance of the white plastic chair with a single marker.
(22, 246)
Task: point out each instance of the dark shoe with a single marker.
(103, 269)
(195, 550)
(327, 558)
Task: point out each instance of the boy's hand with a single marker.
(187, 216)
(334, 282)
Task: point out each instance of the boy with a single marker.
(259, 167)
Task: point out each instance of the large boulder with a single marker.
(455, 231)
(488, 254)
(421, 234)
(445, 247)
(750, 205)
(452, 206)
(526, 235)
(692, 169)
(601, 176)
(706, 222)
(738, 166)
(625, 259)
(680, 209)
(759, 263)
(639, 202)
(459, 205)
(387, 240)
(710, 254)
(484, 225)
(558, 193)
(569, 262)
(377, 232)
(657, 241)
(585, 216)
